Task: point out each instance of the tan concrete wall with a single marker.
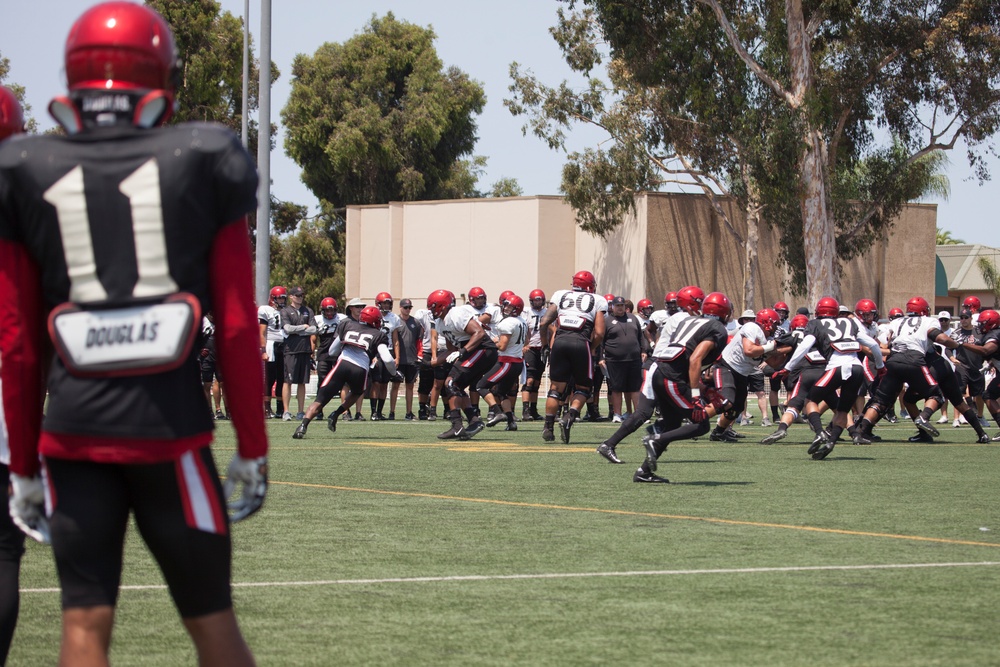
(521, 243)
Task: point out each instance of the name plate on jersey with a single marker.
(134, 340)
(571, 321)
(846, 346)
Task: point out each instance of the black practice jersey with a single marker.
(995, 337)
(834, 334)
(120, 215)
(690, 333)
(358, 336)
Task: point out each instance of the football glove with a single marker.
(453, 357)
(27, 507)
(779, 374)
(698, 413)
(717, 400)
(880, 372)
(545, 357)
(252, 474)
(398, 377)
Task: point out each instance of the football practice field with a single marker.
(382, 545)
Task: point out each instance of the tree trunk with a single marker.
(753, 239)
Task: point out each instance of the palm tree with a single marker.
(944, 237)
(991, 276)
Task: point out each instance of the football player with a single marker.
(272, 346)
(471, 353)
(356, 345)
(499, 385)
(381, 377)
(578, 314)
(11, 539)
(989, 328)
(535, 356)
(327, 322)
(693, 346)
(126, 231)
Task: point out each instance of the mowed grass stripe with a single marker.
(654, 515)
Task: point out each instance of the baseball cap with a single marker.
(802, 311)
(944, 315)
(296, 291)
(618, 301)
(406, 303)
(355, 302)
(844, 310)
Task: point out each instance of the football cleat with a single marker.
(331, 423)
(648, 478)
(983, 439)
(654, 428)
(995, 438)
(892, 418)
(861, 439)
(823, 451)
(608, 452)
(773, 437)
(548, 435)
(651, 457)
(526, 416)
(495, 418)
(432, 416)
(564, 426)
(817, 442)
(925, 426)
(730, 432)
(300, 432)
(920, 436)
(726, 436)
(409, 417)
(474, 428)
(511, 426)
(454, 434)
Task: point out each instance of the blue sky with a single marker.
(481, 38)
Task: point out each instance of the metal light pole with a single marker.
(264, 157)
(246, 74)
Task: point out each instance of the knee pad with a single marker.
(451, 391)
(586, 393)
(731, 414)
(558, 395)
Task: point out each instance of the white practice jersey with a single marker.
(534, 318)
(911, 333)
(576, 311)
(666, 332)
(659, 319)
(517, 328)
(390, 322)
(733, 353)
(269, 315)
(452, 325)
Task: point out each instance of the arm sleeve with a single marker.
(237, 336)
(22, 345)
(385, 354)
(873, 346)
(801, 351)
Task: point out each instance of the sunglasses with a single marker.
(406, 307)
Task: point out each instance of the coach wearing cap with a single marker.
(622, 362)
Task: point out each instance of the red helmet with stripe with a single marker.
(895, 313)
(515, 305)
(780, 307)
(11, 116)
(584, 281)
(800, 322)
(715, 304)
(278, 292)
(988, 320)
(439, 301)
(973, 303)
(609, 298)
(827, 307)
(645, 307)
(768, 320)
(477, 293)
(327, 303)
(866, 310)
(505, 296)
(536, 294)
(691, 298)
(372, 316)
(918, 306)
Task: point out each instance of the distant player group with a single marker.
(841, 361)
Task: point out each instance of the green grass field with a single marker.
(382, 545)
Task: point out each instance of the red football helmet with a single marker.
(505, 296)
(715, 304)
(515, 305)
(584, 281)
(278, 292)
(328, 302)
(691, 298)
(988, 321)
(609, 298)
(129, 47)
(918, 306)
(439, 301)
(866, 310)
(536, 294)
(670, 303)
(11, 116)
(645, 307)
(782, 307)
(972, 303)
(800, 322)
(768, 320)
(895, 313)
(372, 316)
(827, 307)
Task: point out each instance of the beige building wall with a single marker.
(522, 243)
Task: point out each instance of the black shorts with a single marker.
(731, 385)
(755, 382)
(297, 368)
(972, 383)
(832, 380)
(804, 381)
(409, 372)
(181, 515)
(533, 366)
(379, 373)
(467, 373)
(908, 367)
(344, 373)
(431, 374)
(209, 371)
(624, 376)
(274, 371)
(502, 379)
(11, 537)
(570, 361)
(992, 392)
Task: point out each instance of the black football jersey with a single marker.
(117, 216)
(363, 337)
(995, 337)
(691, 332)
(834, 334)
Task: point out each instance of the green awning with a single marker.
(940, 278)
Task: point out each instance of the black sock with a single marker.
(816, 422)
(835, 432)
(550, 421)
(926, 413)
(970, 416)
(470, 413)
(774, 413)
(782, 426)
(372, 402)
(381, 405)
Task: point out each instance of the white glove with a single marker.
(252, 473)
(769, 346)
(453, 357)
(27, 507)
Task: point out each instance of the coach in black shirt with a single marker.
(622, 363)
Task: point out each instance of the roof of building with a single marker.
(960, 264)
